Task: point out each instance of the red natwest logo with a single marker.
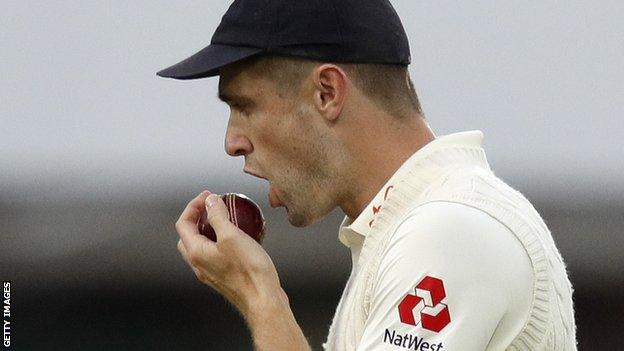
(426, 307)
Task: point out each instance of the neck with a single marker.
(379, 149)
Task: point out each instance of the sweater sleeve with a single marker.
(451, 278)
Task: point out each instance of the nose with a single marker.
(237, 144)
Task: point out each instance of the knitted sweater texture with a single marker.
(458, 172)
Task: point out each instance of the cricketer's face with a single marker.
(284, 142)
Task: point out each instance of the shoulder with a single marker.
(450, 273)
(455, 224)
(472, 253)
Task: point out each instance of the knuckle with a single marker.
(194, 258)
(226, 241)
(178, 225)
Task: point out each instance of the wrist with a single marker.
(272, 322)
(268, 303)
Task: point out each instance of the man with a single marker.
(446, 256)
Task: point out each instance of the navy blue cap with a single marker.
(342, 31)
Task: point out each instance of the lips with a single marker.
(274, 199)
(254, 174)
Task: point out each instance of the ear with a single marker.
(330, 83)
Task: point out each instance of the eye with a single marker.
(242, 109)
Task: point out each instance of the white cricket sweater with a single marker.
(449, 257)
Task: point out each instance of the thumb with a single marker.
(217, 214)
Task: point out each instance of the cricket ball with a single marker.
(243, 212)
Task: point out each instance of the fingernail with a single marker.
(205, 192)
(212, 200)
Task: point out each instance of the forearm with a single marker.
(273, 325)
(240, 270)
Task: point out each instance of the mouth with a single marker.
(274, 199)
(254, 174)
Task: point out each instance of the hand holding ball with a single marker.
(242, 212)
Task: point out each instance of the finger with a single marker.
(218, 216)
(185, 256)
(186, 226)
(183, 252)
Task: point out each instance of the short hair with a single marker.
(388, 86)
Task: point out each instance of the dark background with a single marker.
(134, 292)
(98, 157)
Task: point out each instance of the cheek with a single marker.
(284, 146)
(273, 153)
(280, 141)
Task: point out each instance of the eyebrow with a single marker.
(230, 98)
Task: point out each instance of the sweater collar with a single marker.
(353, 232)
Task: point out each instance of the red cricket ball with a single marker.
(243, 212)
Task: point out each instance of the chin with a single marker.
(299, 220)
